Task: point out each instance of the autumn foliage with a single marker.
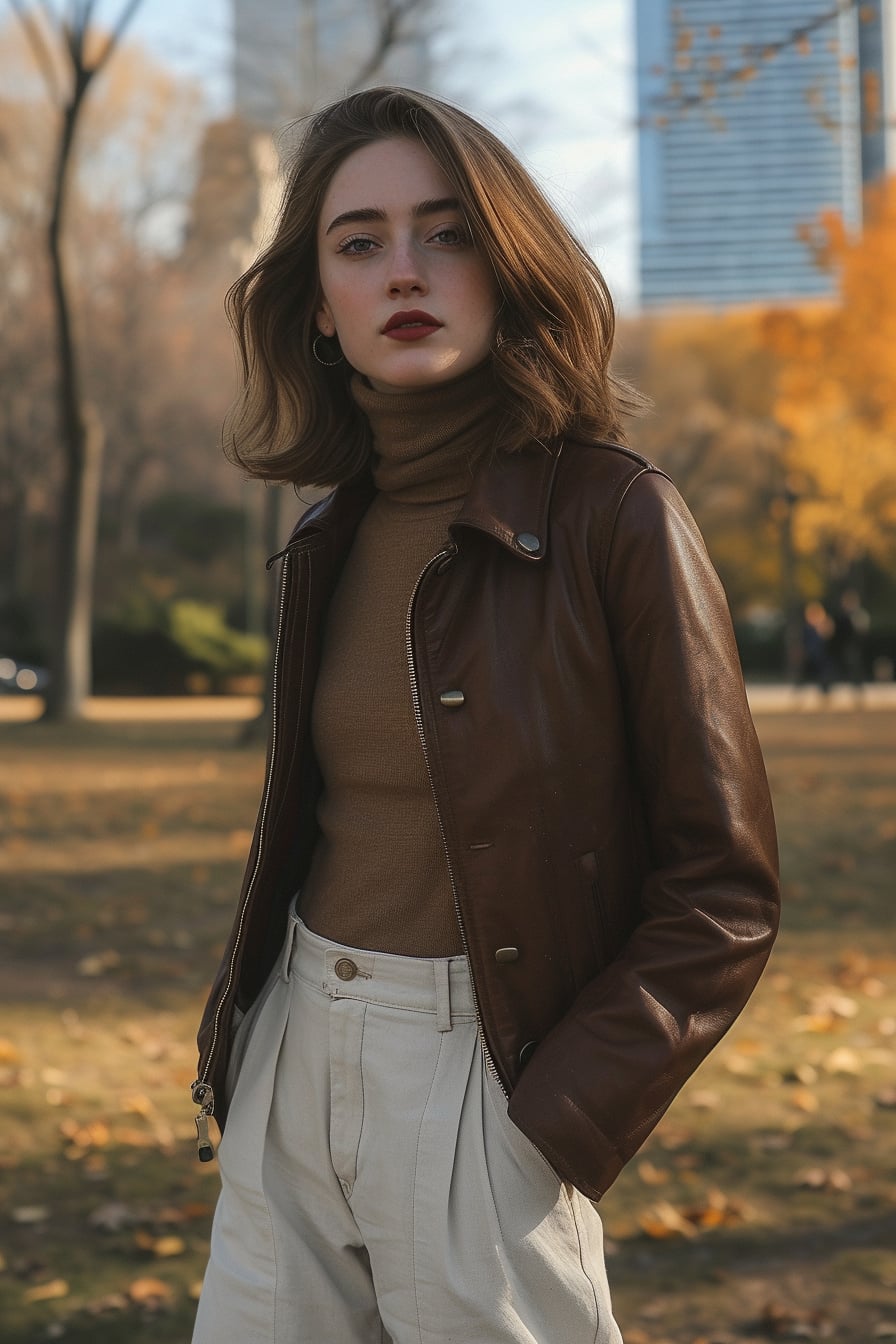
(836, 387)
(773, 417)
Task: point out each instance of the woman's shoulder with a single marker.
(599, 474)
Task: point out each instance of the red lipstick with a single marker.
(411, 326)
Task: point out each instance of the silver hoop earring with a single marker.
(327, 363)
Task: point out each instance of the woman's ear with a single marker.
(324, 319)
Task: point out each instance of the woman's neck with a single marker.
(426, 441)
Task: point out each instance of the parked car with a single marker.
(22, 678)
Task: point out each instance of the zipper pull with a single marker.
(204, 1097)
(206, 1151)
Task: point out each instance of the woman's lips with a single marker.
(415, 333)
(412, 326)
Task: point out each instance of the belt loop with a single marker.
(288, 945)
(443, 994)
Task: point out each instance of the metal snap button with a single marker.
(527, 1052)
(452, 699)
(507, 953)
(528, 542)
(345, 969)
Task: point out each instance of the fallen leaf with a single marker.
(832, 1001)
(873, 988)
(184, 1213)
(820, 1023)
(652, 1175)
(95, 1134)
(98, 963)
(818, 1178)
(663, 1220)
(740, 1066)
(9, 1053)
(804, 1100)
(150, 1292)
(166, 1247)
(111, 1302)
(47, 1292)
(112, 1217)
(843, 1060)
(137, 1104)
(31, 1213)
(716, 1211)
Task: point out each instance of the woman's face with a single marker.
(411, 300)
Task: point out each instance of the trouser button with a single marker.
(345, 968)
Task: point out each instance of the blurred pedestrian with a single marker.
(818, 628)
(850, 629)
(514, 870)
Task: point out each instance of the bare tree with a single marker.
(70, 52)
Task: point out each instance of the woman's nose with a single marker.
(406, 274)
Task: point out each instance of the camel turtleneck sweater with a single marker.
(378, 877)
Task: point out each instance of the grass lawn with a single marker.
(763, 1208)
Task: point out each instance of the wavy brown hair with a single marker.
(296, 420)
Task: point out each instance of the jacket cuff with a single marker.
(578, 1151)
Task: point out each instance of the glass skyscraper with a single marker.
(746, 135)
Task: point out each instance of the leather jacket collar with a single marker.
(509, 499)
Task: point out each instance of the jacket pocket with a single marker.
(595, 914)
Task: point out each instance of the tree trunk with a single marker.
(71, 664)
(70, 671)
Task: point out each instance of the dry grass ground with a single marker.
(763, 1208)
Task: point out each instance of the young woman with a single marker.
(515, 843)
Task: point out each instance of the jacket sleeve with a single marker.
(602, 1078)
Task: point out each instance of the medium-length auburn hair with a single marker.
(295, 419)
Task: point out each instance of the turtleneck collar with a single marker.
(426, 441)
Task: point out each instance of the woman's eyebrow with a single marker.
(375, 214)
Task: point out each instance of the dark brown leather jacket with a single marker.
(600, 789)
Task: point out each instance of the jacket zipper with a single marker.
(202, 1091)
(418, 716)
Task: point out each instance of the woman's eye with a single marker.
(356, 247)
(451, 236)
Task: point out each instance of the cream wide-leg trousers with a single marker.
(373, 1187)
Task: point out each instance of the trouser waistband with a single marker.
(440, 986)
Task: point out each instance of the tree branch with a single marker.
(392, 14)
(760, 52)
(41, 52)
(117, 32)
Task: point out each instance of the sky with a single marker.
(556, 81)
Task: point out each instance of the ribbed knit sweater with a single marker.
(378, 877)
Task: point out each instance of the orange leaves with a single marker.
(716, 1209)
(835, 378)
(47, 1292)
(151, 1293)
(163, 1247)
